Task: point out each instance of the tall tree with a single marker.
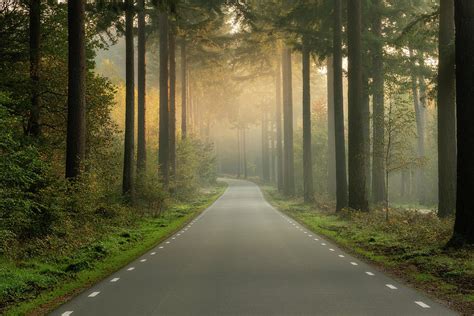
(341, 175)
(76, 116)
(129, 153)
(172, 100)
(357, 179)
(446, 111)
(184, 90)
(331, 130)
(244, 153)
(464, 22)
(34, 125)
(279, 145)
(164, 141)
(265, 150)
(307, 156)
(378, 161)
(141, 82)
(288, 162)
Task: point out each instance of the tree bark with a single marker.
(341, 175)
(331, 130)
(34, 124)
(446, 112)
(184, 90)
(357, 179)
(265, 150)
(164, 150)
(172, 100)
(464, 223)
(288, 162)
(307, 155)
(76, 118)
(239, 154)
(378, 117)
(244, 152)
(129, 154)
(279, 145)
(141, 83)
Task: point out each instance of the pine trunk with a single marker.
(184, 84)
(331, 130)
(141, 83)
(288, 163)
(265, 150)
(172, 100)
(76, 116)
(279, 145)
(307, 155)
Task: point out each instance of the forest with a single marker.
(123, 121)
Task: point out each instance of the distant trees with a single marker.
(76, 117)
(464, 21)
(34, 125)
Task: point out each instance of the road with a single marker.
(243, 257)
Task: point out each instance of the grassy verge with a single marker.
(410, 246)
(35, 286)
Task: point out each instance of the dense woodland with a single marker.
(112, 110)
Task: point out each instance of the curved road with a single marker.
(243, 257)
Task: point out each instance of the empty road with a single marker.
(243, 257)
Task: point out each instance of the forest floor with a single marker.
(409, 246)
(34, 286)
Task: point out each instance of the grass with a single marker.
(410, 246)
(34, 286)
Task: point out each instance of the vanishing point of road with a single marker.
(243, 257)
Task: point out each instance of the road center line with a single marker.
(330, 249)
(390, 286)
(153, 253)
(131, 269)
(369, 273)
(114, 279)
(323, 244)
(354, 263)
(161, 247)
(93, 294)
(341, 256)
(420, 303)
(143, 260)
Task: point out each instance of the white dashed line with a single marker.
(420, 303)
(178, 235)
(354, 263)
(369, 273)
(131, 269)
(114, 279)
(161, 247)
(341, 256)
(153, 253)
(316, 239)
(390, 286)
(67, 313)
(168, 242)
(310, 235)
(173, 238)
(323, 244)
(93, 294)
(331, 249)
(143, 260)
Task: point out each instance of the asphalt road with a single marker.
(243, 257)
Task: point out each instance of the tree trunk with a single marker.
(164, 151)
(341, 175)
(279, 145)
(272, 152)
(76, 116)
(307, 156)
(129, 154)
(357, 185)
(172, 96)
(265, 156)
(446, 112)
(141, 81)
(378, 116)
(331, 130)
(244, 153)
(239, 155)
(464, 223)
(184, 84)
(288, 164)
(34, 124)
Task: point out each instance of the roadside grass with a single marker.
(36, 285)
(409, 246)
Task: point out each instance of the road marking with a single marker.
(161, 247)
(67, 313)
(178, 235)
(420, 303)
(354, 263)
(370, 273)
(323, 244)
(305, 232)
(114, 279)
(330, 249)
(153, 253)
(390, 286)
(341, 256)
(93, 294)
(310, 235)
(143, 260)
(316, 239)
(167, 242)
(173, 238)
(131, 269)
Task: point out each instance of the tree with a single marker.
(184, 90)
(265, 149)
(288, 164)
(141, 81)
(357, 179)
(279, 145)
(446, 111)
(164, 141)
(34, 125)
(76, 117)
(172, 100)
(464, 22)
(307, 156)
(378, 164)
(331, 130)
(341, 175)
